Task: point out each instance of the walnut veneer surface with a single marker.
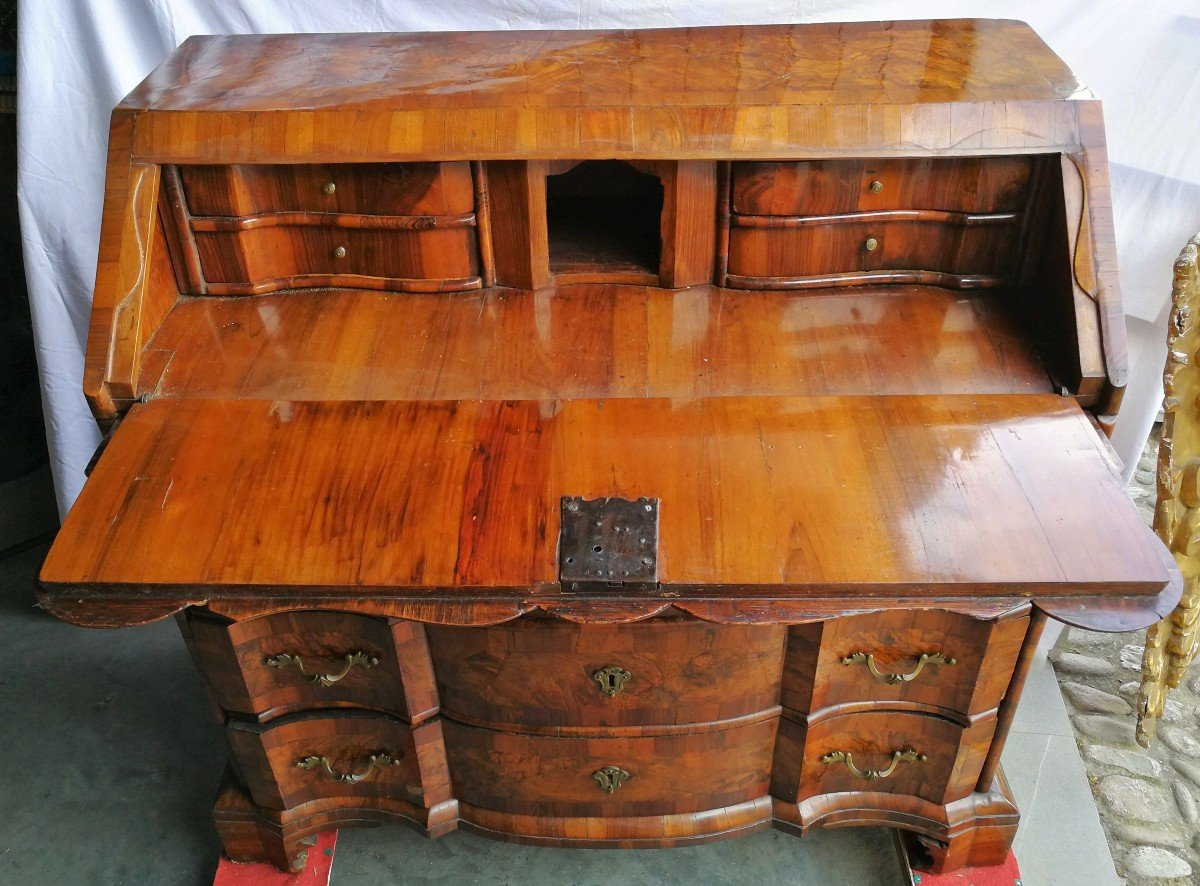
(832, 308)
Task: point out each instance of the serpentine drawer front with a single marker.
(610, 438)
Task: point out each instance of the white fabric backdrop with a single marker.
(78, 58)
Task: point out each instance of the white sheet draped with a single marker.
(77, 59)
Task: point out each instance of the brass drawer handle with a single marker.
(611, 777)
(611, 679)
(329, 188)
(340, 252)
(287, 659)
(908, 755)
(933, 659)
(381, 758)
(876, 186)
(871, 245)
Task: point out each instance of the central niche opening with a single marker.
(602, 221)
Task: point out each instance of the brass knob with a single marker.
(876, 186)
(329, 188)
(340, 252)
(871, 245)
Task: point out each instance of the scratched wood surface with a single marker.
(590, 341)
(972, 494)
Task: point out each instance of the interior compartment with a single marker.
(603, 216)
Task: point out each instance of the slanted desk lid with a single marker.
(922, 497)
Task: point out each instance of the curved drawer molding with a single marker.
(537, 775)
(920, 755)
(896, 656)
(535, 674)
(277, 664)
(345, 756)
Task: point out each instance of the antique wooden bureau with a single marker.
(623, 438)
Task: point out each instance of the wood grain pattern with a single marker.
(233, 657)
(768, 91)
(591, 341)
(250, 833)
(831, 187)
(906, 498)
(954, 755)
(841, 245)
(669, 774)
(422, 189)
(539, 673)
(983, 652)
(266, 759)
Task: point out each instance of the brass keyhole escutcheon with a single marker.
(611, 679)
(876, 186)
(610, 778)
(340, 252)
(871, 245)
(329, 188)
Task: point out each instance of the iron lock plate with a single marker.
(608, 543)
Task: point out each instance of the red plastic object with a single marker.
(1007, 874)
(316, 871)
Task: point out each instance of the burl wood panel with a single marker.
(591, 341)
(954, 755)
(972, 253)
(954, 495)
(767, 91)
(234, 658)
(538, 674)
(668, 774)
(267, 759)
(983, 652)
(834, 187)
(420, 189)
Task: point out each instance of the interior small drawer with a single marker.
(936, 759)
(943, 661)
(609, 776)
(355, 188)
(545, 673)
(831, 187)
(265, 259)
(276, 664)
(972, 254)
(350, 754)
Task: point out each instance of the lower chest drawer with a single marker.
(610, 775)
(936, 759)
(278, 664)
(551, 673)
(930, 660)
(349, 755)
